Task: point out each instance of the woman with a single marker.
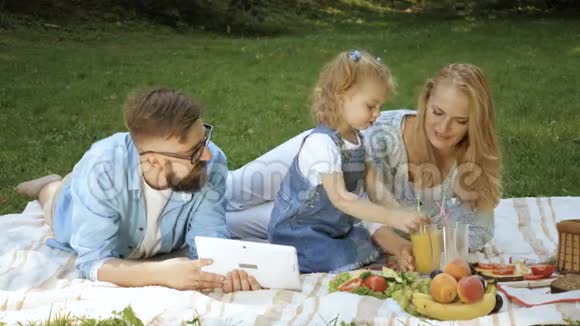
(444, 154)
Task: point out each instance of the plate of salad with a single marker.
(382, 285)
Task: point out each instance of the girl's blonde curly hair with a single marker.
(346, 70)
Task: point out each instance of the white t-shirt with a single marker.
(155, 201)
(320, 154)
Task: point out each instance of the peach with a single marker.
(444, 288)
(457, 268)
(470, 289)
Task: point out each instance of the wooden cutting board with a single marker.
(489, 275)
(516, 280)
(545, 282)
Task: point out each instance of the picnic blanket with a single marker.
(36, 280)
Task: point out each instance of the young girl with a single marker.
(318, 205)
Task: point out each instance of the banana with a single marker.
(456, 310)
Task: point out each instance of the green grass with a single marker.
(126, 317)
(62, 89)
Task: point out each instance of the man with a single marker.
(146, 192)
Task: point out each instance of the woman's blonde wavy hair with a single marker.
(340, 75)
(478, 182)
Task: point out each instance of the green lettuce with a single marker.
(409, 277)
(403, 292)
(337, 281)
(391, 274)
(403, 297)
(423, 286)
(363, 290)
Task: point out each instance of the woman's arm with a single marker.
(396, 245)
(258, 181)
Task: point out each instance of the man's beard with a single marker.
(192, 182)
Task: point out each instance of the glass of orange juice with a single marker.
(426, 242)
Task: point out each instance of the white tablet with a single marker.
(273, 266)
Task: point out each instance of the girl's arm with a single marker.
(377, 190)
(351, 204)
(378, 193)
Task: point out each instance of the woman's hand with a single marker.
(405, 259)
(239, 280)
(395, 245)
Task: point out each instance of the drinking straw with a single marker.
(442, 210)
(444, 229)
(419, 203)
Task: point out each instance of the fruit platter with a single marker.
(454, 293)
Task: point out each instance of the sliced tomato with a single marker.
(543, 270)
(531, 277)
(376, 283)
(350, 285)
(504, 271)
(486, 266)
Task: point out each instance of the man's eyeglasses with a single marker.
(197, 150)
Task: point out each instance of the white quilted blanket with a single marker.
(35, 279)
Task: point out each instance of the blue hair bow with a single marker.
(355, 55)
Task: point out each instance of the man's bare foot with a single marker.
(32, 188)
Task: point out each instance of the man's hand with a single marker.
(239, 280)
(185, 274)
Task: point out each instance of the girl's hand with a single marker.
(407, 220)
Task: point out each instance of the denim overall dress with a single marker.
(326, 239)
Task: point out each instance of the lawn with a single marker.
(62, 87)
